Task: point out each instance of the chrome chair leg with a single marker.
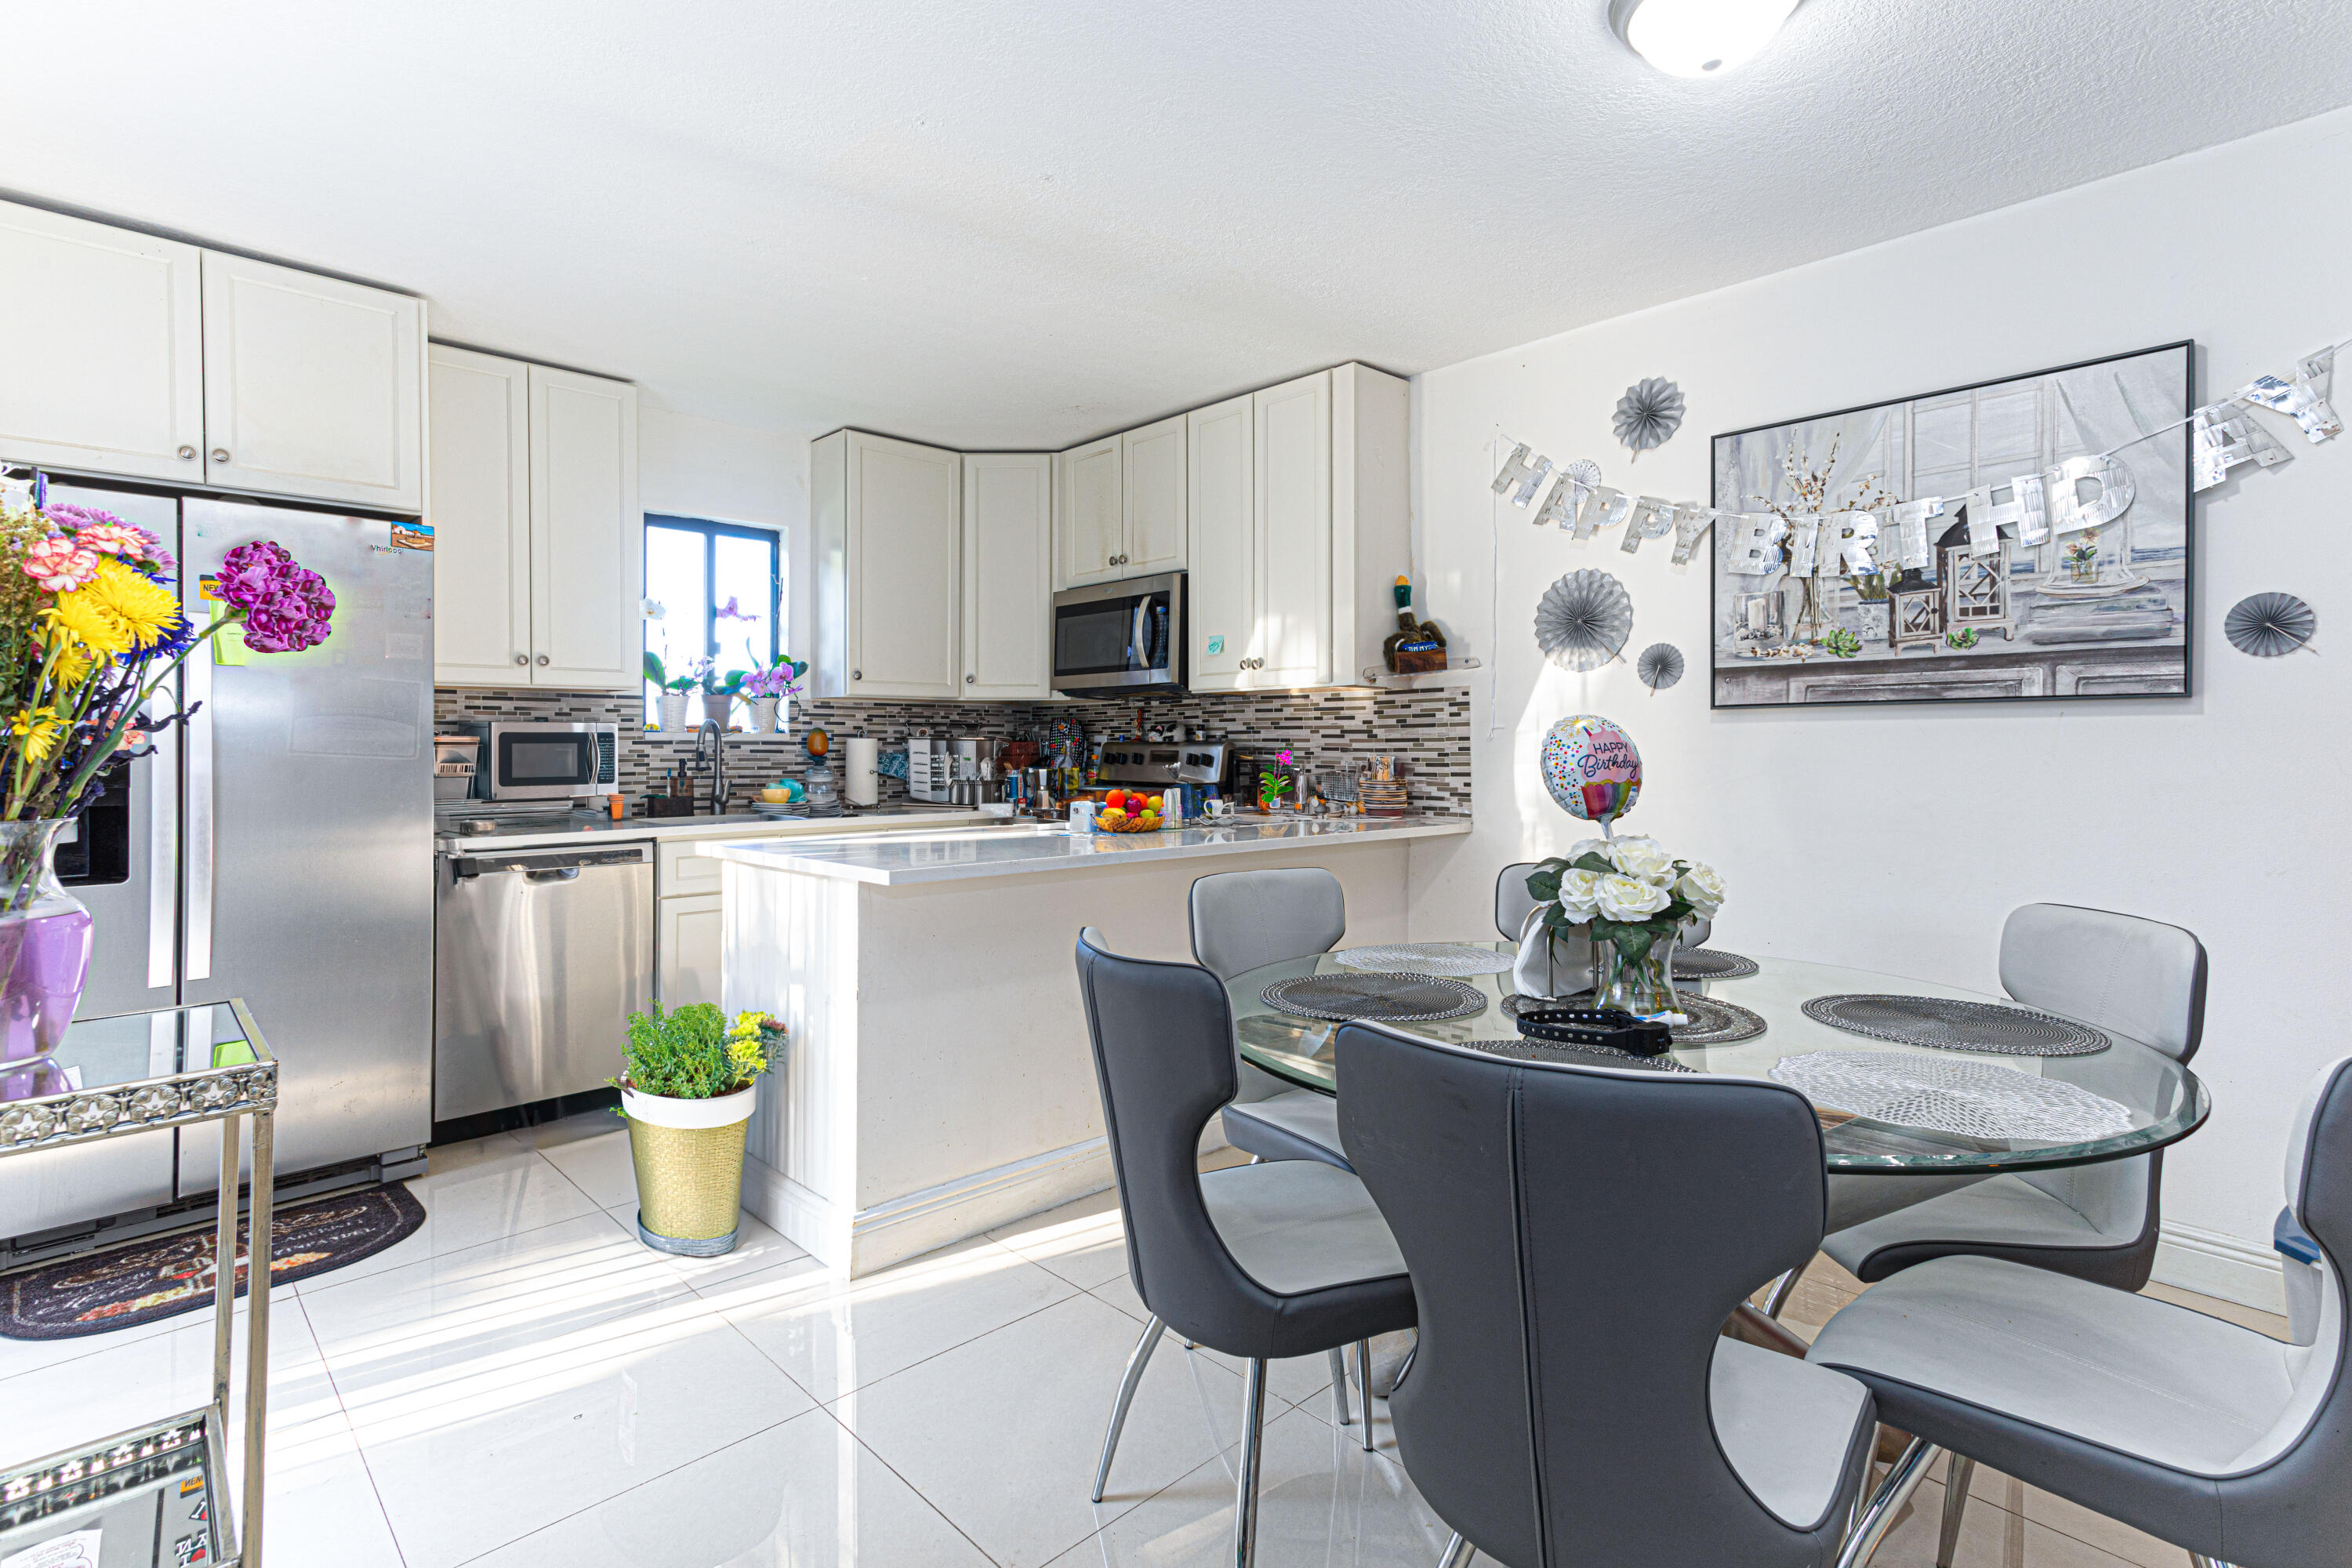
(1910, 1468)
(1364, 1383)
(1956, 1476)
(1136, 1361)
(2198, 1560)
(1782, 1289)
(1338, 1359)
(1458, 1552)
(1245, 1491)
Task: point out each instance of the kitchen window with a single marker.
(713, 590)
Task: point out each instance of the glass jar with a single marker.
(1644, 986)
(45, 942)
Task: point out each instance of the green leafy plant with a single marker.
(1842, 642)
(658, 673)
(1629, 891)
(695, 1053)
(717, 685)
(1966, 637)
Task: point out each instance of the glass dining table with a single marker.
(2160, 1101)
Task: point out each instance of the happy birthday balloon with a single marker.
(1591, 768)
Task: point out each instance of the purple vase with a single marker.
(44, 941)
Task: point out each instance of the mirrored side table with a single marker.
(165, 1483)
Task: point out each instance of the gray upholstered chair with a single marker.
(2095, 1222)
(1577, 1237)
(1245, 919)
(2223, 1441)
(1262, 1261)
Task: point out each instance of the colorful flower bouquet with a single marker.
(90, 631)
(1634, 897)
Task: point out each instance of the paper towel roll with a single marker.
(859, 766)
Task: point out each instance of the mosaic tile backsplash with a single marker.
(1428, 730)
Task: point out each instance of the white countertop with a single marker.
(946, 853)
(746, 825)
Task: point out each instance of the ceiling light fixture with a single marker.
(1698, 37)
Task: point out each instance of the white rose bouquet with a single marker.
(1630, 892)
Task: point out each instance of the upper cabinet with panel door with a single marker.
(1299, 526)
(156, 359)
(1121, 507)
(538, 538)
(883, 520)
(313, 387)
(1008, 603)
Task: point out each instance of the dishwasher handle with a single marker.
(549, 864)
(552, 874)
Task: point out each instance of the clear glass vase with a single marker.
(44, 941)
(1644, 986)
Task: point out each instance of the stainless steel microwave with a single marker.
(1121, 639)
(549, 761)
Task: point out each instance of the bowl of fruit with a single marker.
(1127, 811)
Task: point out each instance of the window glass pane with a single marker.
(674, 580)
(743, 602)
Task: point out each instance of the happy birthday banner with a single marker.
(2033, 507)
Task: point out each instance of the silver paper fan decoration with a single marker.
(1660, 666)
(1583, 471)
(1649, 413)
(2268, 624)
(1584, 619)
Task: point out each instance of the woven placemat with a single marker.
(1394, 998)
(1974, 1099)
(1527, 1050)
(1713, 1022)
(1711, 963)
(1429, 958)
(1950, 1024)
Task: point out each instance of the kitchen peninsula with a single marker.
(939, 1083)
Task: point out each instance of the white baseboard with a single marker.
(2213, 1263)
(923, 1221)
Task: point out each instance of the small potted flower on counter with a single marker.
(770, 692)
(688, 1090)
(674, 689)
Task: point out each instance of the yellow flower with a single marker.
(90, 622)
(40, 729)
(147, 608)
(73, 663)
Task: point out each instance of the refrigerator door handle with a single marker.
(198, 674)
(164, 859)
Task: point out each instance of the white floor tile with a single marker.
(1990, 1538)
(408, 1327)
(805, 1493)
(443, 1157)
(321, 1505)
(550, 1135)
(1300, 1380)
(1084, 1241)
(1321, 1501)
(481, 1449)
(833, 1335)
(598, 1166)
(1001, 1434)
(147, 1379)
(757, 1249)
(498, 1194)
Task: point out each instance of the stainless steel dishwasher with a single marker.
(539, 958)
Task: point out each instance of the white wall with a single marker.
(690, 467)
(2205, 811)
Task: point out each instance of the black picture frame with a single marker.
(2086, 670)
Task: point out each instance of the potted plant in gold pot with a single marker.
(687, 1091)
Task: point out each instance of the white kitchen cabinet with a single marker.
(885, 520)
(1220, 607)
(314, 386)
(587, 534)
(105, 345)
(1298, 532)
(478, 504)
(1152, 465)
(687, 943)
(1091, 524)
(1008, 542)
(538, 538)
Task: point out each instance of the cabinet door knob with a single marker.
(543, 658)
(968, 680)
(187, 452)
(220, 454)
(522, 659)
(857, 675)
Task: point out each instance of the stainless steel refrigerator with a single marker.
(277, 847)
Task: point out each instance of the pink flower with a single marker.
(58, 565)
(287, 606)
(111, 539)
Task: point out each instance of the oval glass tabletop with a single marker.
(2162, 1100)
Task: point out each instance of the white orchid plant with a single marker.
(1630, 892)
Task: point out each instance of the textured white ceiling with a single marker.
(1023, 225)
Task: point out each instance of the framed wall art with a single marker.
(2008, 540)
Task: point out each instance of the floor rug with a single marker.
(163, 1275)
